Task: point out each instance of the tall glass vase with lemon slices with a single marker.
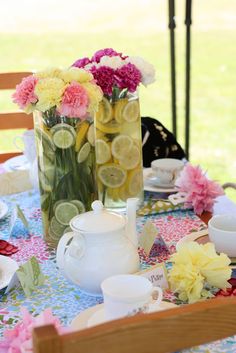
(118, 147)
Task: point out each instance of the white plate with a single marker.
(151, 184)
(3, 209)
(95, 316)
(16, 163)
(7, 269)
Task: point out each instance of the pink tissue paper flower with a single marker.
(201, 192)
(75, 101)
(24, 94)
(104, 77)
(19, 339)
(102, 52)
(128, 76)
(81, 63)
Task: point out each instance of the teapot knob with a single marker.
(97, 206)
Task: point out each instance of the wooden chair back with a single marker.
(13, 120)
(161, 332)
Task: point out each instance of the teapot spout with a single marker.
(131, 217)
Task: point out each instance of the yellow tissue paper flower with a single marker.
(95, 96)
(49, 92)
(76, 74)
(197, 267)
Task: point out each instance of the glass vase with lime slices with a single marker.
(66, 169)
(118, 145)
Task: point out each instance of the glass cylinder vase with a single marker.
(118, 145)
(66, 170)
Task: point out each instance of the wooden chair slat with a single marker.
(161, 332)
(9, 80)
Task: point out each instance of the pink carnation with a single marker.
(201, 192)
(81, 62)
(128, 76)
(19, 338)
(107, 51)
(24, 94)
(104, 77)
(74, 101)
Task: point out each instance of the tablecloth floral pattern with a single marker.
(65, 298)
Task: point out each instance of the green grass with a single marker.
(213, 103)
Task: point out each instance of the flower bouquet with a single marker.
(118, 124)
(63, 102)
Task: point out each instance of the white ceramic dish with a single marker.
(3, 210)
(151, 183)
(95, 316)
(16, 163)
(191, 237)
(8, 267)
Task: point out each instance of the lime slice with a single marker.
(63, 139)
(64, 212)
(131, 111)
(104, 114)
(91, 135)
(67, 230)
(112, 175)
(79, 205)
(84, 152)
(82, 129)
(120, 145)
(62, 126)
(118, 109)
(44, 138)
(103, 152)
(56, 227)
(135, 182)
(56, 204)
(53, 236)
(131, 159)
(110, 128)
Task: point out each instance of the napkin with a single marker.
(151, 207)
(7, 249)
(14, 182)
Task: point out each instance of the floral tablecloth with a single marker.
(66, 299)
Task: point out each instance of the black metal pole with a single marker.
(188, 22)
(172, 26)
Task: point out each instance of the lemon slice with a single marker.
(84, 152)
(91, 135)
(113, 193)
(135, 182)
(131, 111)
(82, 129)
(104, 114)
(131, 159)
(64, 212)
(63, 139)
(118, 109)
(103, 152)
(120, 145)
(110, 128)
(112, 175)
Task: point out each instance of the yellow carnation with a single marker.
(75, 74)
(95, 96)
(49, 92)
(49, 73)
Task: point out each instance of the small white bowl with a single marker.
(222, 232)
(166, 170)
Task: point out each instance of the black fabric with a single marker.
(158, 142)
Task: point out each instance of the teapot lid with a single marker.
(99, 220)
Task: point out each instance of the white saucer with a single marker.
(96, 315)
(8, 267)
(3, 209)
(16, 163)
(191, 237)
(152, 184)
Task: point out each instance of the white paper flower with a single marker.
(115, 62)
(147, 70)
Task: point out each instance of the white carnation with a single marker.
(115, 62)
(147, 70)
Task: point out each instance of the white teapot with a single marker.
(102, 244)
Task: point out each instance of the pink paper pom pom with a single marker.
(24, 94)
(75, 101)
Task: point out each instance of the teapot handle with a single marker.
(62, 248)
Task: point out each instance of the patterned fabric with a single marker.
(65, 298)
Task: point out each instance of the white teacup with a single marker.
(222, 232)
(166, 170)
(127, 295)
(26, 144)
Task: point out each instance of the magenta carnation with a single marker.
(81, 62)
(74, 101)
(104, 77)
(107, 51)
(24, 94)
(201, 192)
(128, 76)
